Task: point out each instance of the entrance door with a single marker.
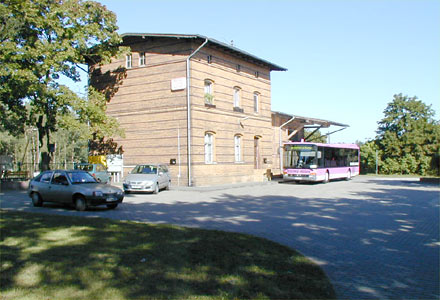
(256, 152)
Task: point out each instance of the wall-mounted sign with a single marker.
(178, 84)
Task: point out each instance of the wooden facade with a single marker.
(233, 136)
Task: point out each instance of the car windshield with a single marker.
(81, 177)
(144, 169)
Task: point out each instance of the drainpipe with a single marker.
(188, 107)
(281, 146)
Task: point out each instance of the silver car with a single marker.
(147, 178)
(73, 187)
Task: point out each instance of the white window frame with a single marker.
(256, 102)
(208, 89)
(142, 60)
(237, 148)
(128, 61)
(209, 147)
(236, 97)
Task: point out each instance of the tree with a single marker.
(315, 136)
(408, 136)
(42, 41)
(370, 156)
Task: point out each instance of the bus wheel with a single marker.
(327, 177)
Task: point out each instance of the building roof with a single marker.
(223, 46)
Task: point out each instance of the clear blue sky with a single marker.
(345, 59)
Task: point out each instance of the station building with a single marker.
(200, 106)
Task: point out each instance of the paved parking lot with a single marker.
(374, 238)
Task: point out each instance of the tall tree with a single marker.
(408, 136)
(41, 41)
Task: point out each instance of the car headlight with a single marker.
(97, 194)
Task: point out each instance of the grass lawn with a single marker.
(60, 257)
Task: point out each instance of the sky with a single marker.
(345, 59)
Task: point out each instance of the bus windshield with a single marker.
(301, 156)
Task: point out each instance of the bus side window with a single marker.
(320, 157)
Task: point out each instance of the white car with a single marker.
(147, 178)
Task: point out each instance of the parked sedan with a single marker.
(147, 178)
(73, 187)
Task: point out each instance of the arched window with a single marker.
(237, 92)
(128, 61)
(238, 148)
(256, 102)
(209, 147)
(209, 95)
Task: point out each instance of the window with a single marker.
(209, 59)
(256, 102)
(142, 59)
(257, 74)
(209, 147)
(128, 61)
(209, 97)
(237, 92)
(237, 148)
(46, 177)
(238, 68)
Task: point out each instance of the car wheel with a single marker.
(80, 203)
(36, 200)
(156, 188)
(112, 206)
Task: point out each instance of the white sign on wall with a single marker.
(178, 84)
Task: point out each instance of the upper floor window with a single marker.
(256, 102)
(209, 96)
(209, 147)
(128, 61)
(209, 59)
(237, 92)
(142, 59)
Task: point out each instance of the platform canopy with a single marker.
(296, 124)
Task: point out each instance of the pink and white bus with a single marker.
(304, 161)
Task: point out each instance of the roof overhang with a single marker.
(308, 122)
(136, 37)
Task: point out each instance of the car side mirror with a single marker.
(161, 173)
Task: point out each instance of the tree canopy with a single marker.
(42, 41)
(408, 138)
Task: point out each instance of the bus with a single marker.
(304, 161)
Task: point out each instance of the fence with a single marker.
(16, 171)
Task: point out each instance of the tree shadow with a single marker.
(140, 261)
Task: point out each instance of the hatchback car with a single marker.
(73, 187)
(96, 170)
(147, 178)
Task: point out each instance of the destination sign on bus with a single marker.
(302, 147)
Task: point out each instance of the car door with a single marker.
(60, 188)
(42, 187)
(163, 176)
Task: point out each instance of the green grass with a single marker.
(59, 257)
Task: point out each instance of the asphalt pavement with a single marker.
(375, 238)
